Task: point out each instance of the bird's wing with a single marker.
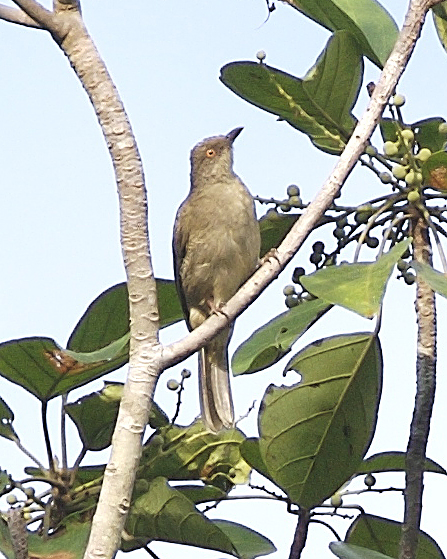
(179, 244)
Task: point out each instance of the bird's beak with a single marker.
(234, 134)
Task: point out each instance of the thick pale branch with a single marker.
(16, 15)
(391, 73)
(37, 13)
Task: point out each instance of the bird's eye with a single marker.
(210, 152)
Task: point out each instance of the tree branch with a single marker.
(299, 540)
(37, 13)
(425, 394)
(389, 77)
(15, 15)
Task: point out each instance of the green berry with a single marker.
(172, 384)
(442, 129)
(29, 492)
(423, 154)
(186, 373)
(413, 196)
(385, 178)
(272, 214)
(295, 202)
(362, 216)
(370, 150)
(390, 149)
(409, 278)
(297, 273)
(406, 254)
(342, 222)
(398, 100)
(289, 290)
(11, 499)
(336, 500)
(369, 480)
(402, 265)
(285, 206)
(292, 301)
(318, 247)
(408, 135)
(316, 258)
(293, 190)
(372, 242)
(399, 172)
(412, 178)
(339, 233)
(261, 55)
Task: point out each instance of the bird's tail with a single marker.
(216, 401)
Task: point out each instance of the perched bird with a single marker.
(216, 248)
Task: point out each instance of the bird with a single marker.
(216, 244)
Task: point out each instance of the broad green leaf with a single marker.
(251, 453)
(440, 21)
(274, 227)
(358, 287)
(271, 342)
(164, 514)
(319, 105)
(107, 318)
(201, 493)
(43, 368)
(393, 462)
(5, 480)
(95, 415)
(436, 280)
(118, 348)
(248, 543)
(187, 453)
(434, 171)
(313, 435)
(68, 543)
(6, 419)
(383, 535)
(367, 20)
(350, 551)
(427, 133)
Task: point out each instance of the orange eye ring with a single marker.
(210, 152)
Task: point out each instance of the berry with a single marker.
(261, 55)
(272, 214)
(399, 172)
(369, 480)
(292, 301)
(186, 373)
(293, 190)
(390, 149)
(423, 154)
(370, 150)
(318, 247)
(336, 500)
(342, 222)
(297, 273)
(316, 258)
(443, 128)
(285, 206)
(408, 135)
(295, 201)
(362, 216)
(11, 499)
(398, 100)
(372, 242)
(172, 384)
(402, 265)
(288, 290)
(385, 178)
(413, 196)
(29, 492)
(409, 278)
(339, 233)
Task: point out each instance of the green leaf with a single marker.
(367, 20)
(358, 287)
(164, 514)
(107, 318)
(436, 280)
(320, 105)
(6, 419)
(251, 453)
(69, 542)
(434, 170)
(427, 133)
(201, 493)
(188, 453)
(349, 551)
(271, 342)
(313, 435)
(248, 543)
(393, 462)
(273, 228)
(383, 535)
(40, 366)
(440, 21)
(95, 415)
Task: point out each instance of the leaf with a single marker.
(248, 543)
(107, 317)
(320, 105)
(95, 415)
(349, 551)
(251, 453)
(427, 133)
(393, 462)
(274, 228)
(367, 20)
(201, 493)
(188, 453)
(359, 287)
(40, 366)
(383, 535)
(6, 419)
(434, 170)
(440, 21)
(313, 435)
(271, 342)
(164, 514)
(68, 542)
(436, 280)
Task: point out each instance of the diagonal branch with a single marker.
(16, 15)
(37, 13)
(389, 77)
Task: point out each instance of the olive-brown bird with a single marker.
(216, 248)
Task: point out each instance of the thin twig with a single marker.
(46, 435)
(299, 540)
(28, 453)
(64, 431)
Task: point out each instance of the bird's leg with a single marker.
(216, 308)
